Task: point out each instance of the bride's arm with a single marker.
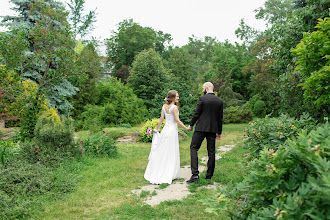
(161, 119)
(176, 117)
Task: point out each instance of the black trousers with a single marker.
(196, 143)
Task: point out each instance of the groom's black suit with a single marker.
(209, 117)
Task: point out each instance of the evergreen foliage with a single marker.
(115, 104)
(148, 75)
(42, 44)
(131, 39)
(88, 65)
(237, 114)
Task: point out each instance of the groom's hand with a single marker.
(189, 128)
(218, 137)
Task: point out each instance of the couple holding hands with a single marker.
(164, 158)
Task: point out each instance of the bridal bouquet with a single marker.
(149, 131)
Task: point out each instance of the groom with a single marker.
(209, 115)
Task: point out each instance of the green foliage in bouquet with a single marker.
(289, 183)
(271, 132)
(144, 137)
(237, 114)
(100, 145)
(54, 134)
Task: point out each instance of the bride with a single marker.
(164, 158)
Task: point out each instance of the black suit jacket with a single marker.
(208, 114)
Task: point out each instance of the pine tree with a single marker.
(40, 46)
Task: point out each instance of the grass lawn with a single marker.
(106, 183)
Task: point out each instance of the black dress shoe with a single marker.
(193, 179)
(208, 177)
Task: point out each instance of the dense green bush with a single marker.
(116, 104)
(54, 134)
(257, 106)
(149, 124)
(31, 175)
(237, 114)
(90, 118)
(259, 109)
(100, 145)
(289, 183)
(271, 132)
(8, 150)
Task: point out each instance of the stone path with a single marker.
(179, 188)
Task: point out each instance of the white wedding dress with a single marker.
(164, 158)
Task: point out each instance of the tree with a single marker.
(88, 65)
(275, 11)
(313, 53)
(123, 74)
(148, 75)
(81, 24)
(163, 41)
(41, 40)
(229, 60)
(130, 40)
(45, 49)
(180, 64)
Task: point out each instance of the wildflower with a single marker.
(271, 168)
(279, 134)
(280, 124)
(316, 147)
(271, 152)
(309, 141)
(220, 196)
(281, 194)
(278, 213)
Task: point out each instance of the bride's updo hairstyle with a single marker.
(171, 95)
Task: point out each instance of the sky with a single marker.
(180, 18)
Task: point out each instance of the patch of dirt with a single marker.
(128, 139)
(179, 188)
(8, 133)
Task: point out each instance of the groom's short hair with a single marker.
(208, 84)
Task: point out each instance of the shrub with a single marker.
(100, 145)
(271, 132)
(8, 150)
(259, 109)
(56, 134)
(125, 108)
(149, 124)
(290, 183)
(237, 114)
(116, 104)
(90, 119)
(30, 175)
(252, 101)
